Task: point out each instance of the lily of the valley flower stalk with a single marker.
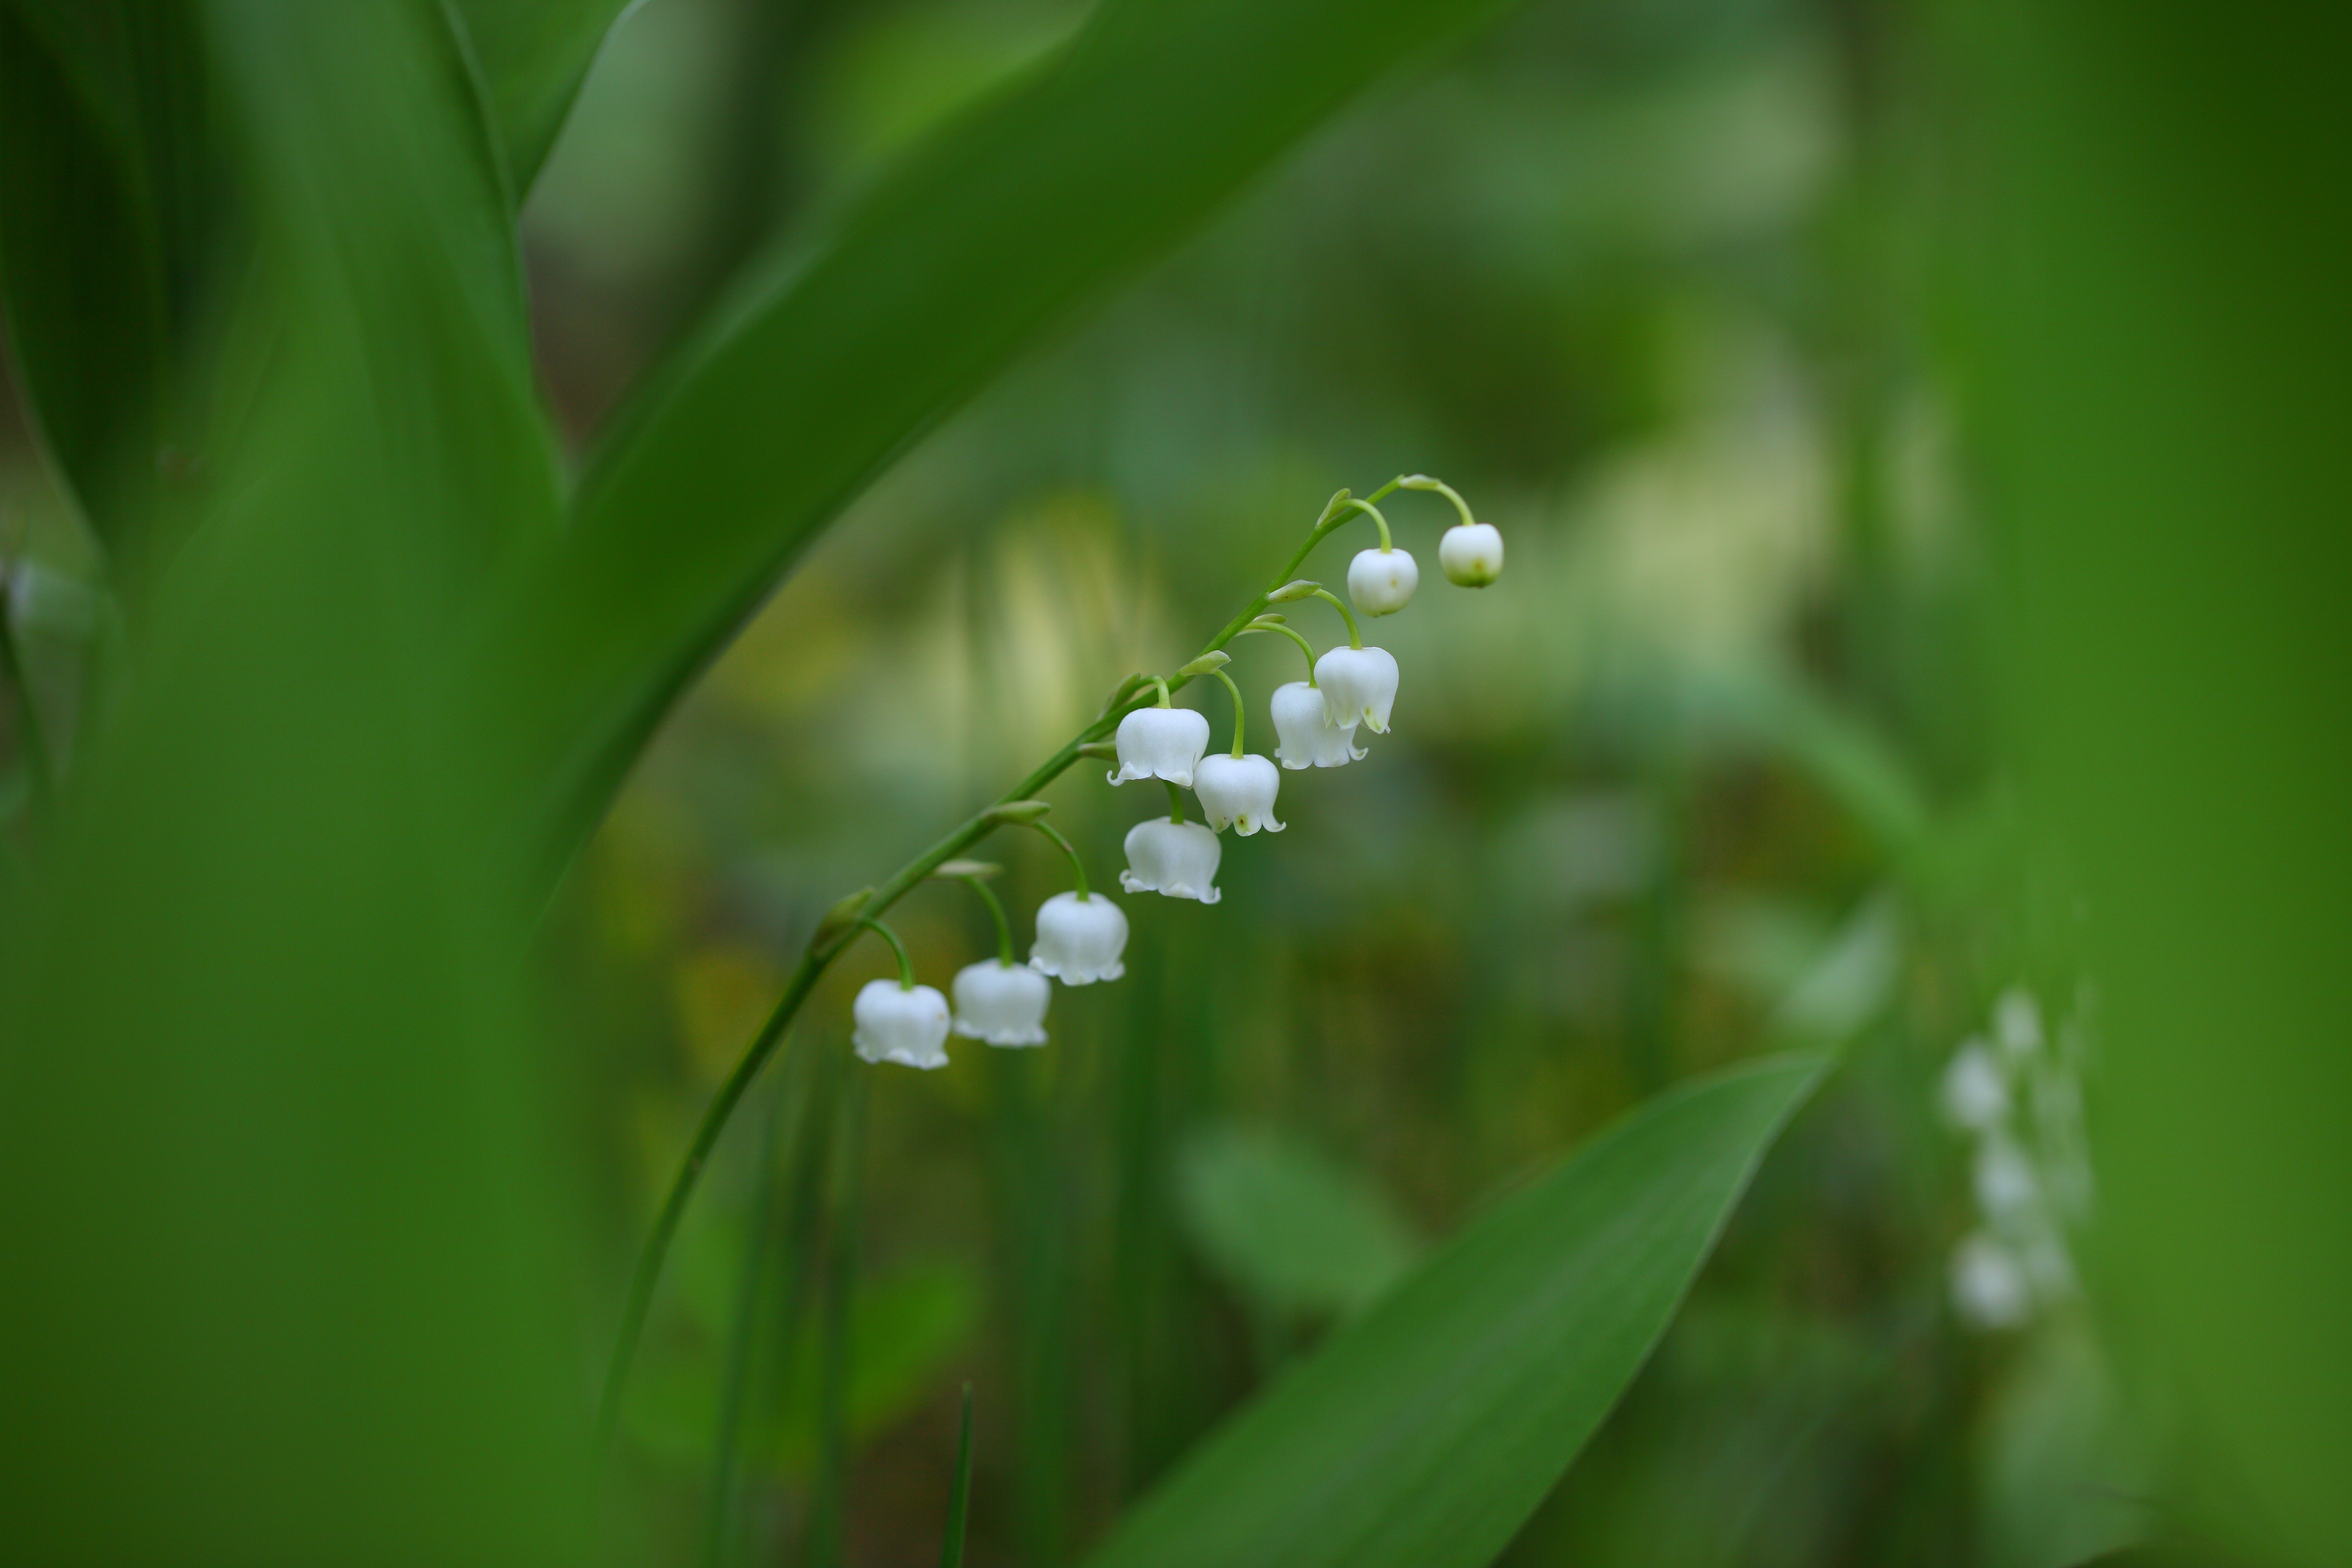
(1081, 936)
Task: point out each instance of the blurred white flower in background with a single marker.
(1976, 1090)
(1990, 1289)
(2029, 1173)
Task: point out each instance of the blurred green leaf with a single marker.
(290, 1236)
(1424, 1432)
(799, 391)
(1782, 710)
(103, 173)
(2062, 1468)
(2161, 406)
(1294, 1232)
(906, 1326)
(534, 56)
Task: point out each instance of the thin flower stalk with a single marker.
(835, 936)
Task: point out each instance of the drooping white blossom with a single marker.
(1381, 582)
(1239, 791)
(1359, 685)
(1177, 858)
(1309, 740)
(1161, 743)
(901, 1024)
(1003, 1004)
(1975, 1088)
(1472, 554)
(1079, 940)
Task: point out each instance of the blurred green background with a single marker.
(1849, 538)
(1627, 275)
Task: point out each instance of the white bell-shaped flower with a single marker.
(1472, 554)
(1381, 581)
(1003, 1004)
(1359, 685)
(907, 1025)
(1239, 791)
(1309, 740)
(1079, 940)
(1161, 743)
(1178, 858)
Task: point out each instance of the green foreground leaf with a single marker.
(533, 55)
(103, 182)
(1424, 1433)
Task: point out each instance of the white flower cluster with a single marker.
(1081, 935)
(2018, 1098)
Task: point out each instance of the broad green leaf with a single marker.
(534, 56)
(1285, 1225)
(286, 1233)
(804, 386)
(104, 176)
(1424, 1433)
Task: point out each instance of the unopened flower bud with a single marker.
(1002, 1003)
(1239, 791)
(1472, 554)
(1359, 685)
(906, 1025)
(1309, 740)
(1177, 858)
(1381, 582)
(1161, 743)
(1016, 812)
(1079, 940)
(1296, 588)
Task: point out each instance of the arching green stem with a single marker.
(1368, 509)
(1161, 682)
(996, 913)
(905, 964)
(1077, 866)
(1240, 716)
(1175, 806)
(1275, 624)
(1355, 637)
(1423, 482)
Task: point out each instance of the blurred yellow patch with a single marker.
(722, 995)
